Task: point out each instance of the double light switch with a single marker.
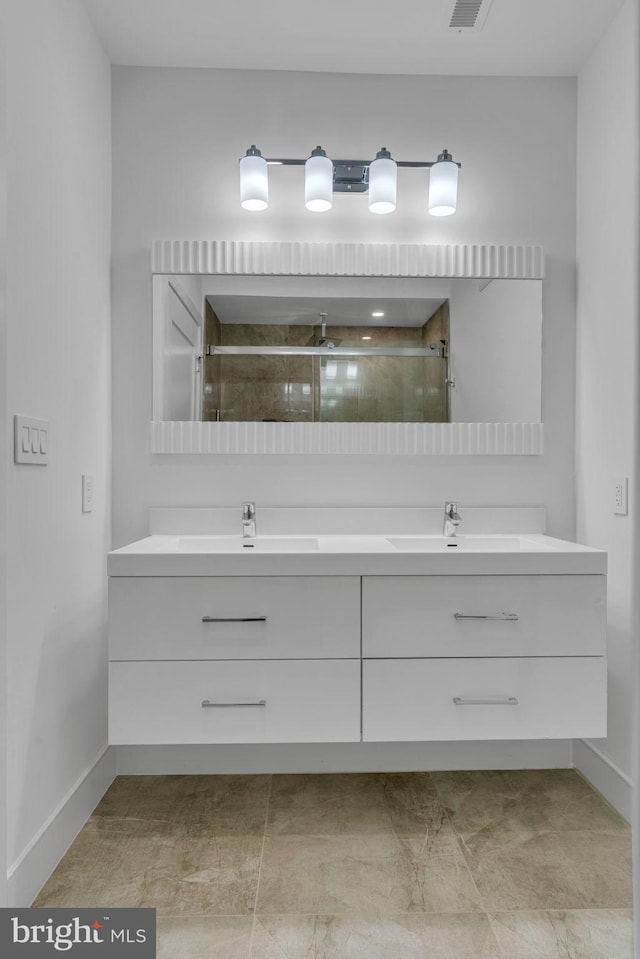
(30, 440)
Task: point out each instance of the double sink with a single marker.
(365, 543)
(338, 541)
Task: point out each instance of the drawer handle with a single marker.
(234, 619)
(207, 704)
(509, 701)
(502, 617)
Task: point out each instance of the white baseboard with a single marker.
(603, 774)
(341, 757)
(36, 862)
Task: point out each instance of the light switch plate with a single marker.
(30, 440)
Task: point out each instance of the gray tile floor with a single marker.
(471, 865)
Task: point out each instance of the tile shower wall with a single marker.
(314, 389)
(266, 388)
(177, 138)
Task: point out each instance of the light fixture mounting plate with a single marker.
(350, 177)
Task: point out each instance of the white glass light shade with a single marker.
(443, 188)
(383, 180)
(318, 184)
(254, 183)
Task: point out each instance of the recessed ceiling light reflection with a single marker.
(378, 313)
(366, 337)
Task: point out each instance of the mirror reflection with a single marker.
(346, 349)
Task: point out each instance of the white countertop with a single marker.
(372, 554)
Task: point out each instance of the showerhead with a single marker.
(323, 340)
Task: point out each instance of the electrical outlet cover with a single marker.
(620, 485)
(87, 493)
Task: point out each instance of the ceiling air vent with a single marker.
(466, 16)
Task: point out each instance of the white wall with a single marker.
(178, 135)
(58, 339)
(607, 348)
(3, 459)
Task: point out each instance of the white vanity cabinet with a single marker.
(483, 657)
(338, 645)
(234, 659)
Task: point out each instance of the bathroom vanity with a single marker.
(312, 635)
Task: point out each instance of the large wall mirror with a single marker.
(314, 348)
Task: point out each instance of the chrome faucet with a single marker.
(248, 520)
(451, 520)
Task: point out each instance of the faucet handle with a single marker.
(451, 508)
(248, 510)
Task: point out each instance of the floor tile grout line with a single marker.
(248, 916)
(264, 840)
(544, 911)
(411, 913)
(493, 933)
(460, 844)
(355, 914)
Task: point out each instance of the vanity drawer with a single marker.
(526, 615)
(293, 701)
(247, 617)
(415, 699)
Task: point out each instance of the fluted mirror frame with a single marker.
(243, 258)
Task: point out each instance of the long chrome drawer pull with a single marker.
(502, 617)
(234, 619)
(206, 703)
(510, 701)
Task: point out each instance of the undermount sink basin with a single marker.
(438, 544)
(239, 544)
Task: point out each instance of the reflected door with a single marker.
(181, 364)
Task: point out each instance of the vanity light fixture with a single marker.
(378, 313)
(318, 181)
(443, 186)
(254, 182)
(383, 180)
(323, 177)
